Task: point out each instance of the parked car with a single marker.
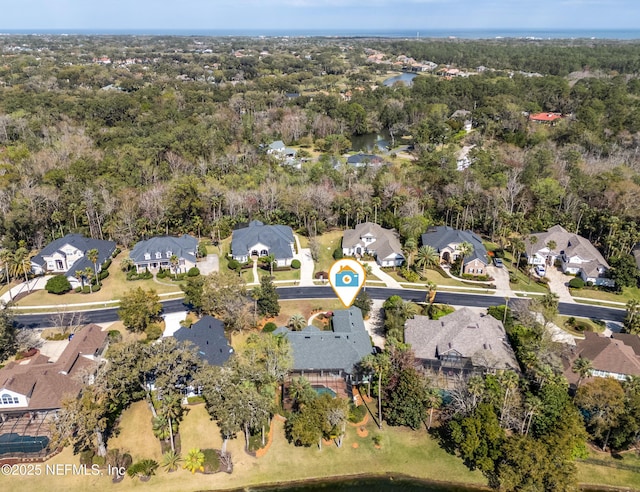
(498, 262)
(540, 270)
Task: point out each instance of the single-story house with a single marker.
(372, 239)
(360, 160)
(576, 254)
(546, 118)
(330, 357)
(447, 240)
(152, 254)
(262, 240)
(461, 342)
(38, 384)
(207, 335)
(617, 357)
(68, 254)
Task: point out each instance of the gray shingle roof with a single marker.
(480, 338)
(84, 244)
(277, 238)
(386, 242)
(208, 337)
(340, 349)
(442, 236)
(183, 247)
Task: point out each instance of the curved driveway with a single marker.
(292, 293)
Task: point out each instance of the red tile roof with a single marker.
(545, 116)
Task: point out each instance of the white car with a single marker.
(540, 271)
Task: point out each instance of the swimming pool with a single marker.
(321, 390)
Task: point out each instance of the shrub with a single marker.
(356, 414)
(86, 457)
(162, 273)
(377, 439)
(295, 264)
(202, 250)
(153, 331)
(86, 289)
(211, 461)
(589, 283)
(179, 276)
(99, 460)
(58, 285)
(78, 289)
(106, 264)
(96, 288)
(576, 283)
(337, 254)
(194, 400)
(103, 274)
(116, 252)
(193, 272)
(409, 275)
(234, 264)
(270, 327)
(114, 336)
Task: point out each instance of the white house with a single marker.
(262, 240)
(371, 239)
(68, 255)
(284, 154)
(576, 254)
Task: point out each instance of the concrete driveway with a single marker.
(558, 284)
(306, 264)
(501, 276)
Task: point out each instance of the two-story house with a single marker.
(447, 240)
(371, 239)
(68, 254)
(157, 252)
(576, 254)
(259, 240)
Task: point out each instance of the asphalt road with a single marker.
(292, 293)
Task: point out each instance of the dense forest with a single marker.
(125, 137)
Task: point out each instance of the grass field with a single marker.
(627, 294)
(329, 241)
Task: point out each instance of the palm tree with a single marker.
(21, 265)
(551, 245)
(427, 257)
(269, 260)
(431, 292)
(80, 276)
(582, 367)
(410, 248)
(509, 381)
(378, 364)
(465, 249)
(171, 460)
(175, 261)
(93, 255)
(194, 461)
(300, 391)
(171, 410)
(297, 322)
(7, 258)
(143, 469)
(88, 274)
(160, 427)
(126, 264)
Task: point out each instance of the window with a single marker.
(169, 254)
(158, 255)
(147, 256)
(8, 399)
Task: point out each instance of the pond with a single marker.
(405, 77)
(370, 141)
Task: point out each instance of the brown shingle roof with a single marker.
(46, 384)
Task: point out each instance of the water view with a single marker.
(370, 141)
(405, 78)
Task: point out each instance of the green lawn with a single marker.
(627, 294)
(329, 241)
(526, 284)
(135, 434)
(112, 289)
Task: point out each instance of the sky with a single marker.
(366, 15)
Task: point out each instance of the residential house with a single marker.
(361, 160)
(152, 254)
(38, 384)
(371, 239)
(262, 240)
(617, 357)
(330, 358)
(447, 240)
(545, 118)
(461, 342)
(68, 255)
(576, 254)
(283, 153)
(207, 335)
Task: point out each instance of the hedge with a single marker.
(295, 264)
